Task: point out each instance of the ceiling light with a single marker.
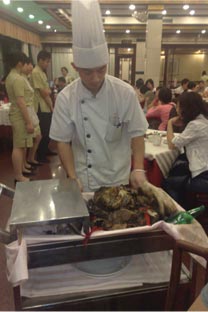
(6, 2)
(61, 11)
(178, 31)
(162, 52)
(186, 7)
(132, 7)
(20, 10)
(164, 12)
(107, 12)
(128, 31)
(192, 12)
(129, 49)
(103, 30)
(203, 31)
(141, 16)
(48, 26)
(40, 22)
(31, 16)
(55, 30)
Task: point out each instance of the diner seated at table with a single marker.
(138, 85)
(201, 87)
(205, 94)
(155, 101)
(162, 111)
(183, 87)
(147, 95)
(194, 139)
(178, 125)
(154, 122)
(150, 84)
(204, 77)
(192, 86)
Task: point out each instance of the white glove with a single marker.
(79, 183)
(137, 178)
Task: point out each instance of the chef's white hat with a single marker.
(89, 45)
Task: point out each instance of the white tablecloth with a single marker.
(162, 154)
(4, 115)
(48, 279)
(67, 279)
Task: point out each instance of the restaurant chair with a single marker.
(173, 295)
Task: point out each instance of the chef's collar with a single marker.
(88, 94)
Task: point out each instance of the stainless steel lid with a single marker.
(47, 202)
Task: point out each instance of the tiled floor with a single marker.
(47, 171)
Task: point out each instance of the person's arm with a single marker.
(154, 112)
(23, 108)
(153, 104)
(40, 84)
(137, 176)
(198, 305)
(45, 94)
(201, 302)
(67, 158)
(170, 133)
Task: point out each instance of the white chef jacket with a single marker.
(195, 139)
(100, 128)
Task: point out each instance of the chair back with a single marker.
(181, 247)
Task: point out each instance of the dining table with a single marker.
(158, 157)
(4, 114)
(5, 126)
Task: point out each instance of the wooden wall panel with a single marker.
(11, 30)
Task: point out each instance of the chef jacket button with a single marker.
(82, 101)
(89, 166)
(89, 151)
(85, 118)
(88, 135)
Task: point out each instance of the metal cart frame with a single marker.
(55, 253)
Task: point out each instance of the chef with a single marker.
(97, 120)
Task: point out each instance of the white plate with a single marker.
(103, 267)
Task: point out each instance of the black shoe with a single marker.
(50, 153)
(43, 160)
(34, 164)
(28, 174)
(29, 167)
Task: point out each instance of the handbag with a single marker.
(180, 166)
(179, 174)
(33, 116)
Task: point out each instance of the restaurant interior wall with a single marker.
(180, 63)
(62, 56)
(183, 65)
(7, 46)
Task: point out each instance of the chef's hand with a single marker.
(79, 184)
(137, 178)
(77, 181)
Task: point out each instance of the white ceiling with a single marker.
(57, 14)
